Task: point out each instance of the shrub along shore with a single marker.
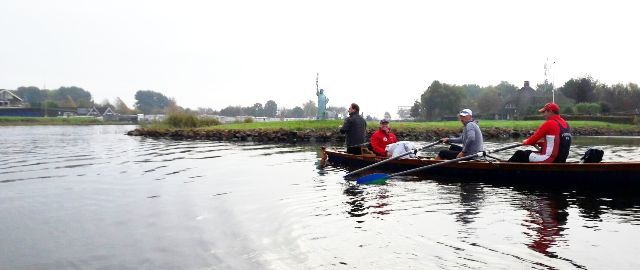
(328, 130)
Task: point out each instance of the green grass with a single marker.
(408, 126)
(288, 125)
(27, 121)
(534, 124)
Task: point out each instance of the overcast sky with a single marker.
(380, 54)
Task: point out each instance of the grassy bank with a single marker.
(413, 126)
(326, 131)
(33, 121)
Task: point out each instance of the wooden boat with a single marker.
(488, 169)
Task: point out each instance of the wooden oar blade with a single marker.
(373, 179)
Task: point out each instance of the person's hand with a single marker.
(460, 155)
(524, 141)
(444, 140)
(538, 146)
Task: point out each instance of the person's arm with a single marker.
(455, 139)
(542, 130)
(470, 138)
(377, 145)
(392, 138)
(364, 130)
(345, 126)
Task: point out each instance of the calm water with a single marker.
(93, 198)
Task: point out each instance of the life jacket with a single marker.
(564, 144)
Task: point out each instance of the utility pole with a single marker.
(553, 83)
(547, 72)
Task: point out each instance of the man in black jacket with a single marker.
(355, 127)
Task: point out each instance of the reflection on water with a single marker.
(356, 201)
(93, 198)
(546, 219)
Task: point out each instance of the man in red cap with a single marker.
(553, 136)
(382, 137)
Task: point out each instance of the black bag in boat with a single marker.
(592, 155)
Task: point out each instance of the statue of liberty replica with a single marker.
(322, 102)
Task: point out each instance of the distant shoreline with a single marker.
(327, 131)
(56, 121)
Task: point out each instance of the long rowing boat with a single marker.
(487, 169)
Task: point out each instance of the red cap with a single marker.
(550, 107)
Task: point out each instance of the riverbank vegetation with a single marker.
(328, 130)
(185, 120)
(412, 126)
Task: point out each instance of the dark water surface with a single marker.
(93, 198)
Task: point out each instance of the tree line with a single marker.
(270, 109)
(62, 97)
(147, 101)
(153, 102)
(583, 95)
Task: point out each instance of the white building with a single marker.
(9, 99)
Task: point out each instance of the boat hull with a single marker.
(617, 173)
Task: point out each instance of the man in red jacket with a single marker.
(382, 137)
(556, 139)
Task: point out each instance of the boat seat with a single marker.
(367, 153)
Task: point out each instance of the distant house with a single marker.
(151, 117)
(108, 114)
(108, 111)
(9, 99)
(520, 102)
(105, 112)
(404, 112)
(83, 111)
(94, 112)
(332, 115)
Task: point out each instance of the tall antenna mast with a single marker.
(546, 68)
(546, 79)
(547, 72)
(553, 82)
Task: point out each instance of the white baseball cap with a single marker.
(466, 112)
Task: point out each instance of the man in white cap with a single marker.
(471, 139)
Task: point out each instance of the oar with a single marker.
(390, 159)
(380, 178)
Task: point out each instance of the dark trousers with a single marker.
(452, 153)
(521, 156)
(354, 150)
